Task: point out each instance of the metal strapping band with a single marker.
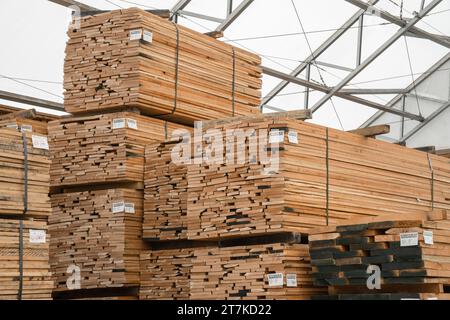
(328, 176)
(233, 86)
(25, 210)
(166, 134)
(430, 165)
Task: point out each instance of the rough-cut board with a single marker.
(37, 281)
(232, 273)
(413, 257)
(103, 148)
(320, 181)
(100, 231)
(106, 69)
(12, 174)
(165, 194)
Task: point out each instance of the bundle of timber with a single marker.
(103, 148)
(131, 58)
(305, 176)
(266, 267)
(165, 194)
(32, 279)
(99, 232)
(412, 256)
(24, 174)
(262, 271)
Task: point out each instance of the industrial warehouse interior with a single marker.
(246, 150)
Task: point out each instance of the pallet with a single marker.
(103, 148)
(104, 69)
(320, 182)
(12, 175)
(37, 280)
(99, 231)
(341, 255)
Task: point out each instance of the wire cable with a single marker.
(315, 63)
(29, 85)
(115, 4)
(412, 74)
(32, 80)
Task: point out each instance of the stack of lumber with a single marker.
(325, 177)
(37, 282)
(27, 120)
(165, 194)
(165, 274)
(99, 231)
(243, 272)
(413, 257)
(255, 268)
(103, 148)
(12, 174)
(131, 58)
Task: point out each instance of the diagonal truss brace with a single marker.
(376, 54)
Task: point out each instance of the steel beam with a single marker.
(318, 87)
(410, 88)
(31, 101)
(373, 91)
(376, 54)
(413, 31)
(180, 5)
(425, 122)
(332, 39)
(233, 15)
(360, 40)
(200, 16)
(69, 3)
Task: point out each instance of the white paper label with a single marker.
(12, 126)
(276, 136)
(118, 207)
(275, 279)
(37, 236)
(291, 280)
(409, 239)
(40, 142)
(433, 298)
(148, 36)
(26, 128)
(136, 34)
(118, 124)
(293, 137)
(129, 207)
(428, 237)
(132, 124)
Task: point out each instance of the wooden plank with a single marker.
(372, 131)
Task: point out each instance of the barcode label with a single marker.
(129, 207)
(428, 237)
(135, 34)
(409, 239)
(275, 279)
(148, 36)
(37, 236)
(293, 137)
(132, 124)
(118, 124)
(118, 207)
(291, 280)
(40, 142)
(276, 136)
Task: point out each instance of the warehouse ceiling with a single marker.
(347, 73)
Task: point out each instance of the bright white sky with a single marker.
(33, 36)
